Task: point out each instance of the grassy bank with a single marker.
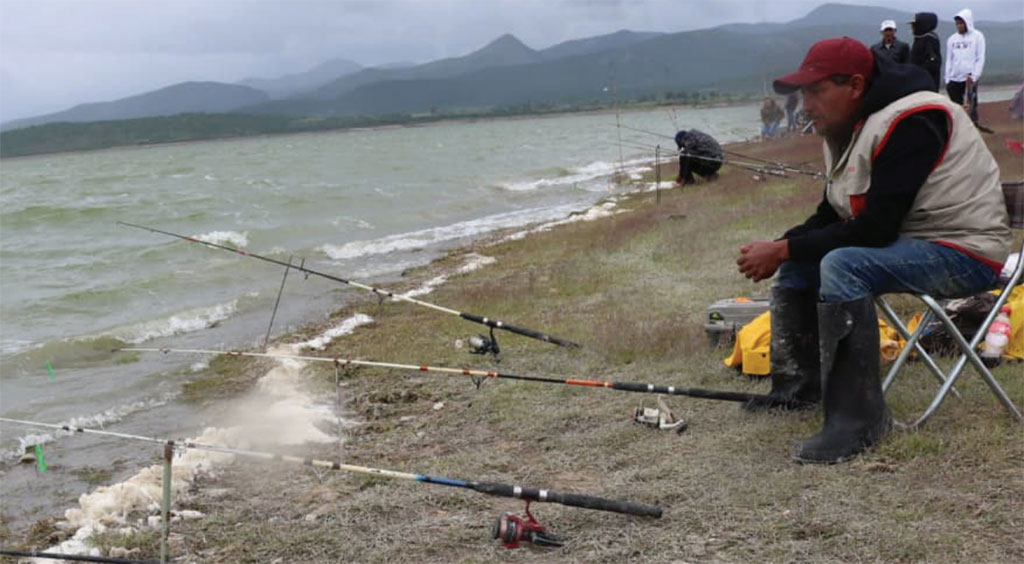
(632, 288)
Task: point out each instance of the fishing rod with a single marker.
(481, 374)
(491, 344)
(682, 152)
(75, 557)
(778, 164)
(488, 488)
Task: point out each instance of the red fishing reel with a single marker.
(512, 529)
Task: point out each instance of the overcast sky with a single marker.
(58, 53)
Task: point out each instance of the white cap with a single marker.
(888, 24)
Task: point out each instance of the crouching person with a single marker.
(700, 154)
(912, 203)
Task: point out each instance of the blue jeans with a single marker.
(768, 129)
(906, 265)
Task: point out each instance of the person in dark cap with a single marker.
(896, 50)
(699, 153)
(912, 203)
(927, 49)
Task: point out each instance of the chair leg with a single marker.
(968, 354)
(912, 345)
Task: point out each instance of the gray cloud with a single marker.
(58, 53)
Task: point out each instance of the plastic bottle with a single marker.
(997, 338)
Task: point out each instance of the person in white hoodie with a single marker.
(965, 59)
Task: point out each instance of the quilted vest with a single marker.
(960, 204)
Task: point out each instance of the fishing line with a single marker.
(488, 488)
(492, 323)
(778, 164)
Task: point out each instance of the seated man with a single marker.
(699, 153)
(912, 203)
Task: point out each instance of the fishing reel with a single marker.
(512, 529)
(660, 417)
(482, 345)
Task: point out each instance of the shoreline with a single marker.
(529, 263)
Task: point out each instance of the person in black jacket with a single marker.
(699, 153)
(889, 46)
(824, 326)
(927, 50)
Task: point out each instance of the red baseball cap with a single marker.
(828, 57)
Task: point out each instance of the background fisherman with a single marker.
(771, 115)
(699, 153)
(889, 46)
(912, 204)
(792, 101)
(965, 59)
(926, 51)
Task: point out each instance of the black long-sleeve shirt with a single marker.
(899, 170)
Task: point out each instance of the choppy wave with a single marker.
(96, 420)
(425, 237)
(184, 322)
(580, 178)
(224, 237)
(91, 350)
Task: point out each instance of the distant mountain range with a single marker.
(289, 84)
(733, 57)
(185, 97)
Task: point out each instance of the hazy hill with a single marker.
(729, 57)
(503, 51)
(506, 72)
(316, 77)
(185, 97)
(596, 44)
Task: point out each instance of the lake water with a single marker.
(362, 205)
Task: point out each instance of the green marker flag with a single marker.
(39, 458)
(49, 369)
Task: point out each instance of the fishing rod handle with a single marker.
(674, 391)
(574, 500)
(498, 324)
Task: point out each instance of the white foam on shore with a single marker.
(473, 262)
(344, 328)
(278, 412)
(597, 212)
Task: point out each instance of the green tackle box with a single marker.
(726, 317)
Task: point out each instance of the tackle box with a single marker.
(726, 317)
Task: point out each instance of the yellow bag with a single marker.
(751, 353)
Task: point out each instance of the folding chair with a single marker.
(1014, 195)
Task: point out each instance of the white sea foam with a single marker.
(107, 417)
(581, 177)
(278, 412)
(473, 261)
(222, 237)
(603, 210)
(185, 322)
(344, 328)
(425, 237)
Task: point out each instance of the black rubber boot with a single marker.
(795, 364)
(856, 417)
